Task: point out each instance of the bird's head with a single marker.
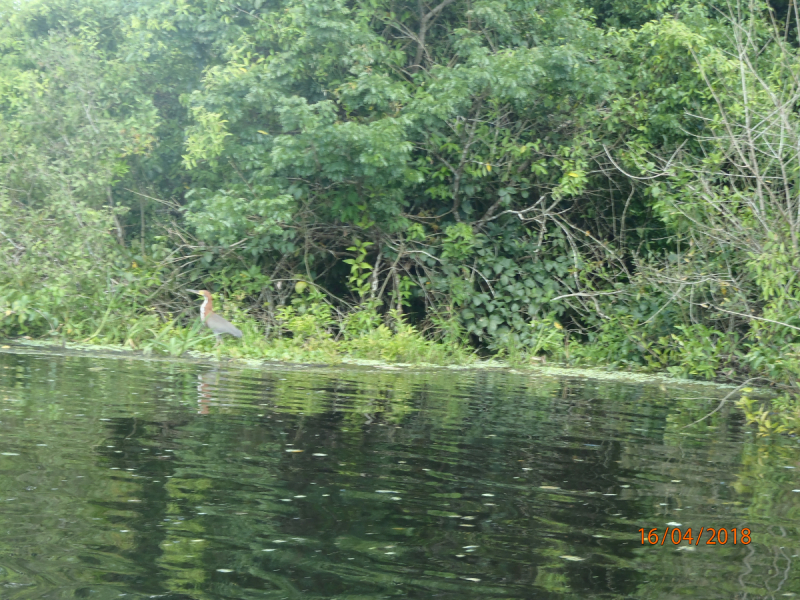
(205, 293)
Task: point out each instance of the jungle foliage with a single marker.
(601, 182)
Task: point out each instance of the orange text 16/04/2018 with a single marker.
(677, 536)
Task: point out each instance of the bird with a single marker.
(212, 320)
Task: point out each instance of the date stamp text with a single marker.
(713, 536)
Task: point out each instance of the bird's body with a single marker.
(212, 320)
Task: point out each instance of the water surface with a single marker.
(140, 479)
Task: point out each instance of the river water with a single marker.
(129, 478)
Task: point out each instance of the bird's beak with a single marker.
(193, 291)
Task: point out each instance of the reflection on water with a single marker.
(126, 478)
(207, 383)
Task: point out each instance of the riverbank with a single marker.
(771, 413)
(223, 355)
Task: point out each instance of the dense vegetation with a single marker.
(600, 181)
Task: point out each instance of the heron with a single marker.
(212, 320)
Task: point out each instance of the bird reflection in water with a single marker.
(208, 392)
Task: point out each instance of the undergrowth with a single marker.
(306, 332)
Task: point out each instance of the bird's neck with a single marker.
(205, 309)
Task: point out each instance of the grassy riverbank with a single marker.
(404, 348)
(222, 355)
